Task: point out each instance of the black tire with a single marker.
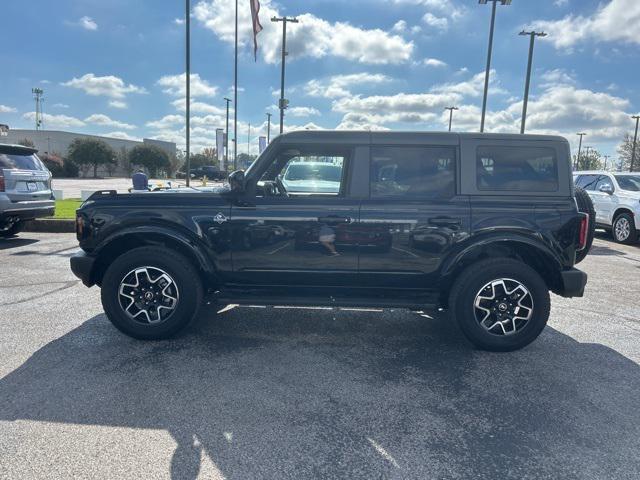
(470, 283)
(14, 229)
(585, 205)
(180, 270)
(619, 233)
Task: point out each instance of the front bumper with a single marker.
(82, 267)
(573, 283)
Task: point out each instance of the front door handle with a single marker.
(335, 219)
(446, 222)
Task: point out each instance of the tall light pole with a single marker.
(226, 138)
(283, 103)
(579, 149)
(249, 140)
(486, 73)
(187, 75)
(635, 141)
(527, 84)
(38, 94)
(451, 109)
(235, 97)
(269, 128)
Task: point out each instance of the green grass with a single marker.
(66, 209)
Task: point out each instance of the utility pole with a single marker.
(187, 19)
(635, 141)
(579, 149)
(249, 140)
(269, 128)
(527, 84)
(235, 97)
(38, 96)
(488, 69)
(451, 109)
(283, 104)
(226, 138)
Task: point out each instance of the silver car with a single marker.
(25, 188)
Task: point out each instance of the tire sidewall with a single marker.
(631, 238)
(464, 307)
(184, 275)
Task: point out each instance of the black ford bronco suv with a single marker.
(483, 225)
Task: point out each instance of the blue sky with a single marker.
(115, 67)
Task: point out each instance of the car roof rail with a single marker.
(102, 193)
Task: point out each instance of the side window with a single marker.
(588, 182)
(295, 173)
(417, 172)
(529, 169)
(602, 180)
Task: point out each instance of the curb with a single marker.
(50, 225)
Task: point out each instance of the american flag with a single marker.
(257, 27)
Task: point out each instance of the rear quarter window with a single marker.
(512, 168)
(21, 162)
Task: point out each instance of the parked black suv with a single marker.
(483, 225)
(210, 171)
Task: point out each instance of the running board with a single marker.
(260, 297)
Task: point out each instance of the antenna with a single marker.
(38, 95)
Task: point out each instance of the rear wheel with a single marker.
(624, 230)
(11, 229)
(500, 304)
(151, 293)
(585, 205)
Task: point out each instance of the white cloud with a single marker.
(7, 109)
(178, 21)
(60, 105)
(167, 122)
(302, 111)
(617, 21)
(118, 104)
(340, 85)
(60, 121)
(199, 107)
(399, 27)
(561, 3)
(555, 77)
(104, 120)
(175, 85)
(88, 23)
(122, 136)
(440, 23)
(473, 87)
(434, 62)
(313, 36)
(108, 86)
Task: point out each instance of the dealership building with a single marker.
(57, 142)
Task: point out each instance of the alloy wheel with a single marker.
(622, 229)
(503, 306)
(148, 295)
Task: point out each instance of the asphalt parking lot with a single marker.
(298, 393)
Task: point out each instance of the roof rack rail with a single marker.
(102, 193)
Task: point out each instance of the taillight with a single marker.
(584, 231)
(79, 227)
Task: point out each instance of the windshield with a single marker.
(629, 182)
(308, 171)
(21, 162)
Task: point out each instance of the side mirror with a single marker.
(606, 188)
(237, 181)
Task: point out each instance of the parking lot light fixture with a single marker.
(532, 39)
(579, 149)
(486, 73)
(451, 109)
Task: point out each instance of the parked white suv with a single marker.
(25, 188)
(616, 199)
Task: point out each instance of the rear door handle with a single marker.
(335, 219)
(445, 222)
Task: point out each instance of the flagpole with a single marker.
(235, 98)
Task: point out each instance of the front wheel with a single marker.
(151, 293)
(500, 304)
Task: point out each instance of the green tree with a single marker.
(91, 152)
(151, 157)
(625, 149)
(198, 160)
(591, 160)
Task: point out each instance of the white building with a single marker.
(57, 142)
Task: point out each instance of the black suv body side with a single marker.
(383, 219)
